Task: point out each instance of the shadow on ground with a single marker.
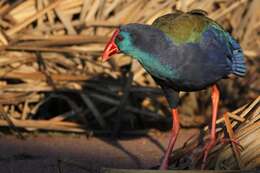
(54, 154)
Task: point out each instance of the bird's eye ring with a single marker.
(120, 38)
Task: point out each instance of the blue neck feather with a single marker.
(148, 61)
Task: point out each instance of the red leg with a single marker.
(208, 147)
(174, 134)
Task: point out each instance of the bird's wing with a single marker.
(234, 53)
(184, 27)
(190, 27)
(166, 19)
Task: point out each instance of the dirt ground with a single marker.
(62, 154)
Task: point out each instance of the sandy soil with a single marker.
(41, 154)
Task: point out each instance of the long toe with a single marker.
(207, 149)
(234, 142)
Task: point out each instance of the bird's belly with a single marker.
(180, 85)
(186, 80)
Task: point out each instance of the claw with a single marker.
(239, 147)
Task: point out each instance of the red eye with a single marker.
(120, 38)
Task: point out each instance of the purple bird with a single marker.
(182, 52)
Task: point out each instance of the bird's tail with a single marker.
(238, 62)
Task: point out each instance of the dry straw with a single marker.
(53, 46)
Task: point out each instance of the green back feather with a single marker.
(185, 27)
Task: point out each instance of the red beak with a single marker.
(111, 47)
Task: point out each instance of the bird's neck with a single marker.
(152, 64)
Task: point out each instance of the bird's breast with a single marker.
(162, 71)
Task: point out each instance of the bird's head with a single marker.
(134, 40)
(119, 42)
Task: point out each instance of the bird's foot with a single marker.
(237, 146)
(206, 150)
(165, 162)
(174, 134)
(164, 165)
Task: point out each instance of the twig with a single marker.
(10, 123)
(20, 26)
(47, 125)
(52, 49)
(111, 101)
(94, 110)
(123, 102)
(43, 69)
(232, 137)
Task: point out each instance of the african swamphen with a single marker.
(182, 52)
